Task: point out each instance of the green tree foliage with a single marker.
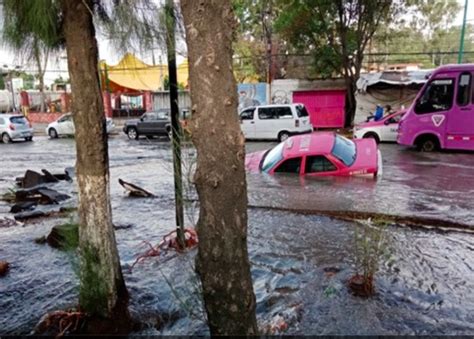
(336, 33)
(428, 28)
(256, 39)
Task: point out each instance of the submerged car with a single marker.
(64, 126)
(383, 130)
(319, 154)
(15, 126)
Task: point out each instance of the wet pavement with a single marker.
(424, 285)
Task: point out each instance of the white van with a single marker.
(275, 121)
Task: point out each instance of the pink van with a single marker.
(442, 115)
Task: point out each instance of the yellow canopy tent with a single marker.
(133, 76)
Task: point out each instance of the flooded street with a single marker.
(300, 263)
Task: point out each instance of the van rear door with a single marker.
(303, 117)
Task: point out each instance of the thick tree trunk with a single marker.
(102, 288)
(222, 260)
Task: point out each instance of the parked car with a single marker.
(275, 121)
(441, 116)
(319, 154)
(15, 126)
(64, 126)
(384, 130)
(155, 123)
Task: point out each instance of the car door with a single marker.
(285, 120)
(319, 165)
(163, 119)
(461, 116)
(3, 126)
(389, 130)
(247, 123)
(143, 125)
(265, 127)
(291, 165)
(66, 125)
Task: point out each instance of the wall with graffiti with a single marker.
(252, 95)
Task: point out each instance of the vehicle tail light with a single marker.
(12, 127)
(297, 123)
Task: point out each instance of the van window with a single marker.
(289, 166)
(301, 111)
(266, 113)
(247, 114)
(438, 96)
(319, 163)
(283, 112)
(464, 89)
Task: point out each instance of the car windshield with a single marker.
(345, 150)
(273, 157)
(19, 120)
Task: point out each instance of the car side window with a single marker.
(266, 113)
(247, 114)
(162, 115)
(464, 89)
(318, 164)
(2, 121)
(149, 117)
(292, 165)
(395, 119)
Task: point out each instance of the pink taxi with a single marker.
(319, 154)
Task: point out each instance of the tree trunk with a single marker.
(222, 261)
(351, 104)
(102, 288)
(37, 55)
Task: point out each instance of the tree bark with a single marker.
(351, 104)
(222, 261)
(41, 70)
(102, 288)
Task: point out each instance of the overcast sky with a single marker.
(107, 53)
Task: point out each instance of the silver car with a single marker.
(13, 127)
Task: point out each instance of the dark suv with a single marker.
(156, 123)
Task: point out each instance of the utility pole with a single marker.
(175, 125)
(463, 31)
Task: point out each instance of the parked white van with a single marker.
(275, 121)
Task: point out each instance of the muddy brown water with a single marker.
(300, 263)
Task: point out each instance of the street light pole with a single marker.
(463, 31)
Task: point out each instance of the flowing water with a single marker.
(300, 263)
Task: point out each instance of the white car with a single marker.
(15, 126)
(275, 121)
(65, 126)
(383, 130)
